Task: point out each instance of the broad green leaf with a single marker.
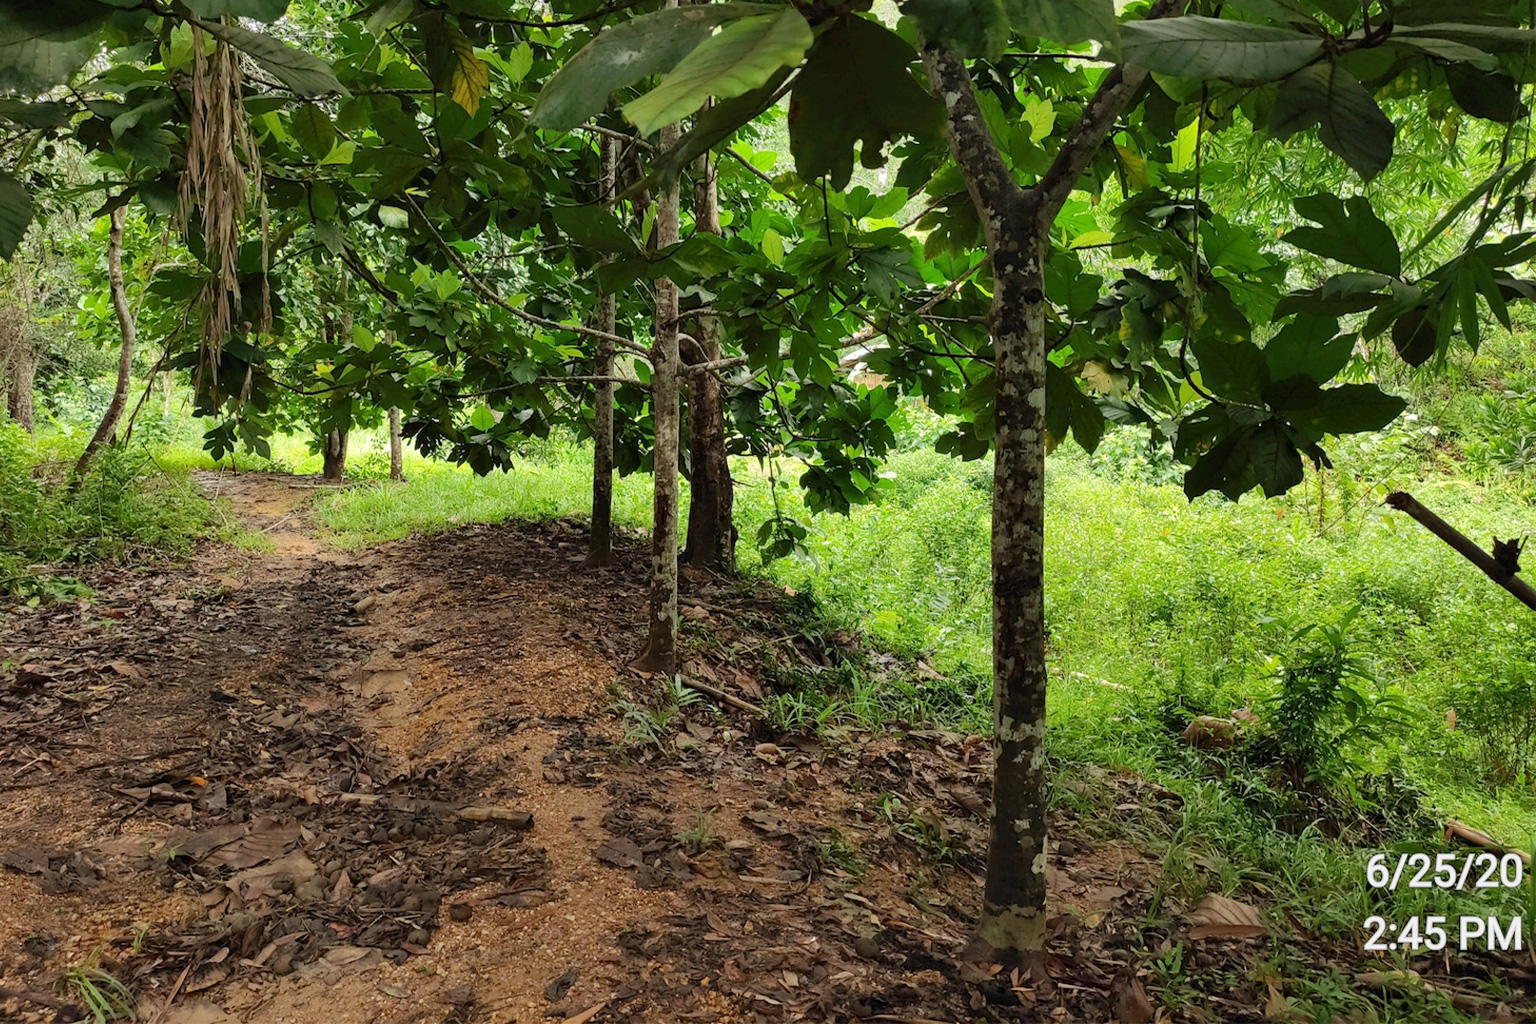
(363, 338)
(386, 14)
(595, 228)
(44, 42)
(313, 130)
(1495, 38)
(1225, 467)
(1040, 115)
(737, 59)
(1415, 335)
(1348, 120)
(1196, 47)
(1449, 50)
(1492, 96)
(307, 75)
(1064, 21)
(1066, 407)
(716, 124)
(1276, 462)
(1309, 345)
(323, 201)
(972, 28)
(623, 55)
(855, 88)
(1233, 370)
(1182, 151)
(262, 10)
(15, 214)
(1348, 409)
(773, 247)
(482, 419)
(35, 115)
(1348, 231)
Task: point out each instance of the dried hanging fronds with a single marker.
(223, 169)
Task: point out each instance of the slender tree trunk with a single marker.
(126, 328)
(396, 455)
(600, 544)
(712, 497)
(167, 379)
(660, 654)
(1017, 224)
(334, 457)
(22, 375)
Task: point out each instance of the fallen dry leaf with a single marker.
(1131, 1003)
(1217, 917)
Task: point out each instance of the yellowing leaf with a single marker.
(470, 75)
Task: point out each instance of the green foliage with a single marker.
(1496, 705)
(738, 59)
(43, 43)
(625, 54)
(123, 508)
(1348, 120)
(1198, 47)
(1064, 21)
(1327, 703)
(855, 88)
(1348, 231)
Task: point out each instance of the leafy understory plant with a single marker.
(1328, 703)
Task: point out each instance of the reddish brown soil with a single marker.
(277, 788)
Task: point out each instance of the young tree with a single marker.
(128, 329)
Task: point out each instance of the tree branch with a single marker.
(990, 183)
(489, 294)
(1088, 134)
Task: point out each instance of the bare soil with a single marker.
(391, 786)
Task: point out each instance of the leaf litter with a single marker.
(389, 786)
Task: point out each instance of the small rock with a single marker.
(419, 937)
(460, 911)
(867, 946)
(283, 965)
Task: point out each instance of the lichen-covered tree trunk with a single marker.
(660, 654)
(396, 452)
(333, 454)
(712, 496)
(600, 544)
(129, 332)
(1013, 915)
(1017, 224)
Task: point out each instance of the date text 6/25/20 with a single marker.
(1434, 932)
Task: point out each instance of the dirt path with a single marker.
(293, 786)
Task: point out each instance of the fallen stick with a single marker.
(520, 820)
(1479, 838)
(1463, 546)
(723, 697)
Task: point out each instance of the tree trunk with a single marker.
(1013, 914)
(660, 654)
(167, 379)
(600, 543)
(334, 456)
(22, 373)
(1017, 224)
(126, 328)
(396, 455)
(712, 497)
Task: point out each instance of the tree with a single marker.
(127, 327)
(1275, 68)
